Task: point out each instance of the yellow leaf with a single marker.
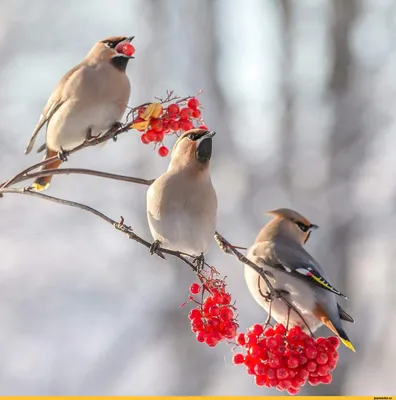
(151, 110)
(140, 126)
(157, 110)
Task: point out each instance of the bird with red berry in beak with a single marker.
(88, 101)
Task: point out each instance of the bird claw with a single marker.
(113, 130)
(62, 155)
(199, 262)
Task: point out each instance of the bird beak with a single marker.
(207, 135)
(129, 39)
(313, 226)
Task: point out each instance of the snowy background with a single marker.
(302, 95)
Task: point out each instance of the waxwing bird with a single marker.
(182, 203)
(89, 100)
(296, 275)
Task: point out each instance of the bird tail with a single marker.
(43, 182)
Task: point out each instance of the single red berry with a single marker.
(311, 366)
(203, 127)
(174, 125)
(156, 124)
(292, 391)
(271, 373)
(185, 113)
(186, 125)
(272, 343)
(321, 358)
(126, 49)
(322, 370)
(255, 351)
(272, 383)
(159, 137)
(195, 313)
(260, 369)
(217, 297)
(163, 151)
(303, 373)
(173, 109)
(330, 348)
(238, 358)
(196, 113)
(226, 314)
(257, 329)
(320, 340)
(201, 336)
(280, 328)
(193, 103)
(310, 352)
(194, 288)
(293, 362)
(274, 362)
(326, 379)
(250, 338)
(334, 341)
(298, 382)
(285, 384)
(260, 380)
(197, 321)
(282, 373)
(302, 360)
(226, 298)
(269, 332)
(145, 139)
(211, 340)
(166, 126)
(332, 365)
(214, 310)
(292, 373)
(151, 135)
(314, 380)
(240, 339)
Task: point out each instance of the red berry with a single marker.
(311, 366)
(272, 383)
(145, 138)
(274, 362)
(326, 379)
(185, 113)
(282, 373)
(255, 351)
(195, 313)
(197, 321)
(159, 136)
(211, 340)
(302, 360)
(201, 336)
(260, 369)
(257, 329)
(196, 113)
(314, 381)
(269, 332)
(292, 391)
(310, 352)
(166, 126)
(280, 328)
(321, 358)
(186, 125)
(322, 370)
(260, 380)
(238, 358)
(163, 151)
(174, 125)
(241, 339)
(250, 338)
(332, 365)
(272, 343)
(151, 135)
(226, 313)
(226, 298)
(304, 374)
(293, 362)
(173, 109)
(285, 384)
(334, 341)
(214, 310)
(125, 48)
(156, 124)
(193, 103)
(297, 382)
(194, 288)
(203, 127)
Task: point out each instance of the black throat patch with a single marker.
(204, 151)
(119, 62)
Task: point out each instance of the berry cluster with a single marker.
(178, 117)
(213, 320)
(287, 359)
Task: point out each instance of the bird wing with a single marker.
(54, 102)
(299, 263)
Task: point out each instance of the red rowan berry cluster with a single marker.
(178, 117)
(213, 320)
(286, 359)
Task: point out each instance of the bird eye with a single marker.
(193, 136)
(302, 226)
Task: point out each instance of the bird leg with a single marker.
(113, 130)
(62, 155)
(154, 248)
(200, 262)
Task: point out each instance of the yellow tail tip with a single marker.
(39, 187)
(348, 344)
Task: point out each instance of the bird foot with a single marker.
(199, 262)
(62, 155)
(155, 249)
(113, 130)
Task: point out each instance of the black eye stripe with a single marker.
(302, 226)
(194, 136)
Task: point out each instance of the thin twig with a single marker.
(83, 171)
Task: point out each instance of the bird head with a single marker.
(193, 149)
(110, 50)
(292, 224)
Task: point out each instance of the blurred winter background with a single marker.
(302, 96)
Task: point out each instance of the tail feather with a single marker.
(43, 182)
